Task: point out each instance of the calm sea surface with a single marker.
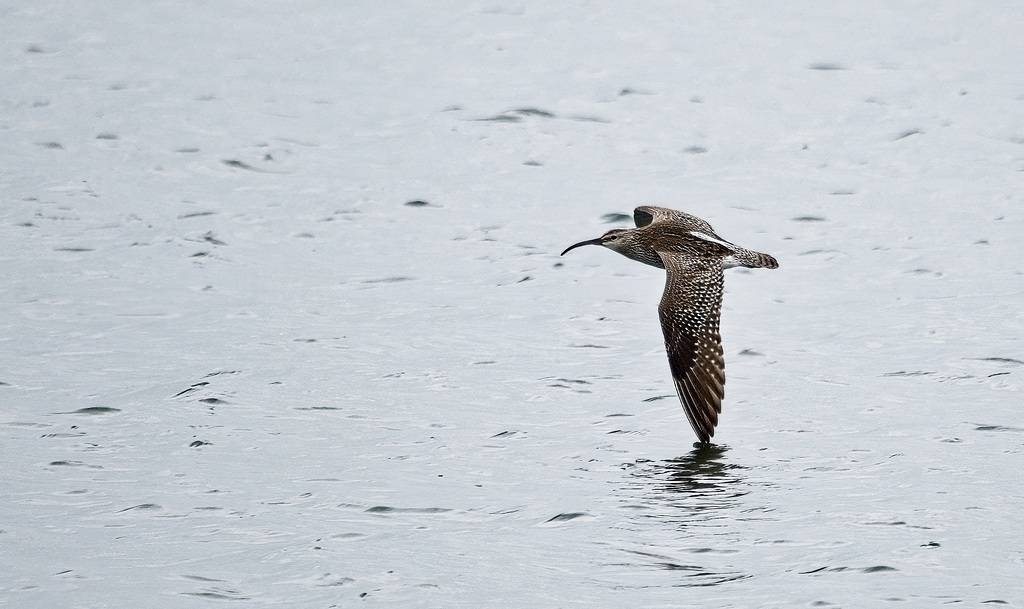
(284, 320)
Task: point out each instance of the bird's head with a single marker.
(615, 239)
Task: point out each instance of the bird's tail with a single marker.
(750, 259)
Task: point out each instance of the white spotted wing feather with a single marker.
(690, 310)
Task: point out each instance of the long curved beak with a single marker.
(587, 242)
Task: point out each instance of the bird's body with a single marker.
(694, 259)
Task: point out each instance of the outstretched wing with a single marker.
(647, 214)
(690, 310)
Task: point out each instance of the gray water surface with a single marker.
(284, 320)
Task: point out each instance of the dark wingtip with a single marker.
(642, 218)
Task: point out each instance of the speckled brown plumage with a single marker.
(694, 259)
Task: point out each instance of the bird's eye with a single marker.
(612, 237)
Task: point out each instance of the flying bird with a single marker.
(694, 258)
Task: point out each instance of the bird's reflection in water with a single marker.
(697, 493)
(699, 483)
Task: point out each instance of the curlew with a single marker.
(694, 259)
